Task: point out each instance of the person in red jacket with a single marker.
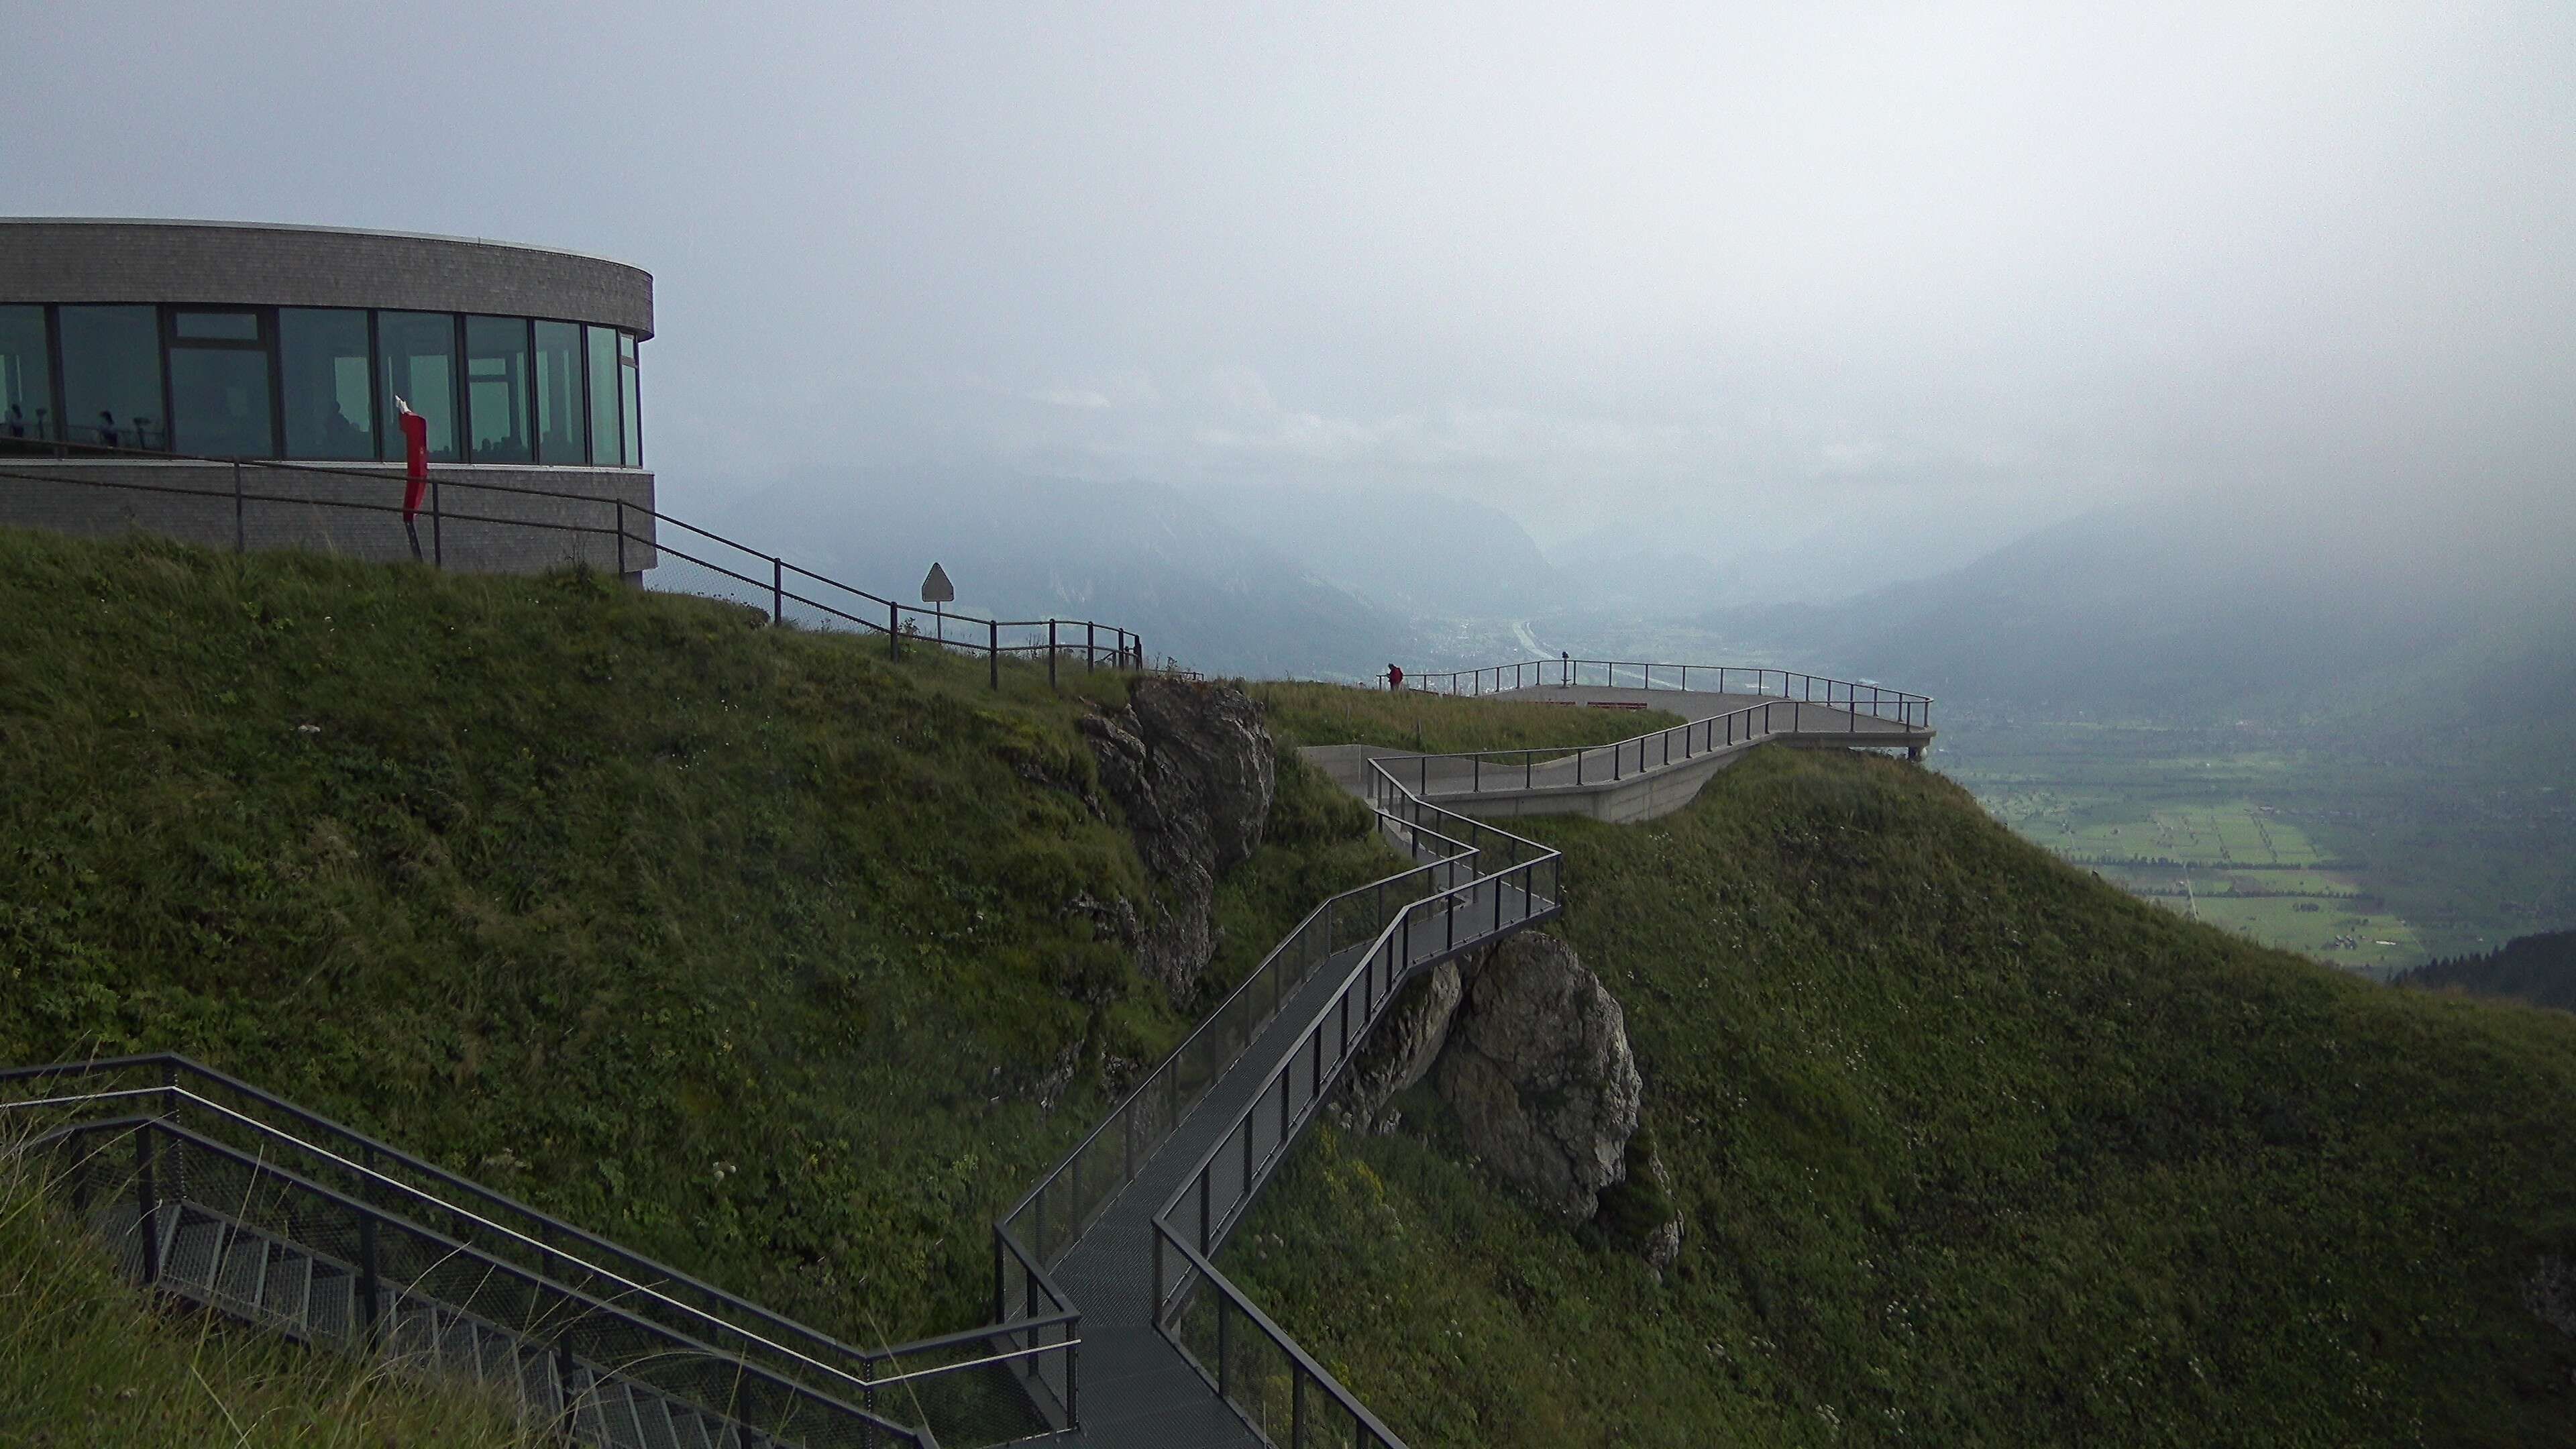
(1394, 677)
(415, 431)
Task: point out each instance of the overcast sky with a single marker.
(1727, 274)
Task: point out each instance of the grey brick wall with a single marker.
(44, 260)
(475, 526)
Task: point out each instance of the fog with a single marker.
(1912, 278)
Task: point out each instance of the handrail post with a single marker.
(1224, 1359)
(240, 535)
(370, 1304)
(147, 1205)
(621, 538)
(1090, 645)
(894, 628)
(1050, 653)
(777, 590)
(437, 527)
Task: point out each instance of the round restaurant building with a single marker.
(239, 385)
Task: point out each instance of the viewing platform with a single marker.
(1650, 774)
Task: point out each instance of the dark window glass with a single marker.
(562, 434)
(419, 353)
(215, 326)
(632, 411)
(219, 385)
(606, 447)
(26, 377)
(112, 377)
(496, 388)
(330, 410)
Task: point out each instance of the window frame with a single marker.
(264, 318)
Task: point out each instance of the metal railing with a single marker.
(1590, 767)
(292, 505)
(1009, 1380)
(1055, 1213)
(1711, 679)
(1253, 1363)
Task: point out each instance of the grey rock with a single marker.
(1402, 1048)
(2550, 1293)
(1539, 1070)
(1194, 770)
(1663, 1242)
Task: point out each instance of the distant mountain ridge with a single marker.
(2208, 613)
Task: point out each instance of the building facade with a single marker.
(140, 359)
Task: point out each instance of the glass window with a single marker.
(112, 377)
(632, 411)
(26, 377)
(322, 357)
(496, 388)
(562, 436)
(419, 352)
(605, 445)
(219, 386)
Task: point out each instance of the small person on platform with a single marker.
(1394, 676)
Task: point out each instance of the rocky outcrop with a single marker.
(1402, 1048)
(1638, 1212)
(1539, 1071)
(1193, 768)
(2550, 1293)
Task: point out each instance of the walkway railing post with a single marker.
(894, 629)
(147, 1204)
(993, 648)
(437, 526)
(1090, 646)
(1050, 653)
(240, 534)
(621, 538)
(777, 591)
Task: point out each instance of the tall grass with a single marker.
(85, 1359)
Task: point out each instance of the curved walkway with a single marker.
(1647, 775)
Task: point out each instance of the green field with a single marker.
(2424, 853)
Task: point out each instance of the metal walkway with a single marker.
(1138, 1392)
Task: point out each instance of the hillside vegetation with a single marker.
(1974, 1149)
(2540, 969)
(749, 948)
(745, 947)
(85, 1361)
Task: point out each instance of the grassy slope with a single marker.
(1974, 1150)
(742, 946)
(82, 1362)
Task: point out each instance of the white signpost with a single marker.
(935, 591)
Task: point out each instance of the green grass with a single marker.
(1974, 1149)
(1333, 714)
(83, 1361)
(746, 947)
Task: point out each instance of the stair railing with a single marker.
(389, 1255)
(1054, 1214)
(1253, 1363)
(1006, 1380)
